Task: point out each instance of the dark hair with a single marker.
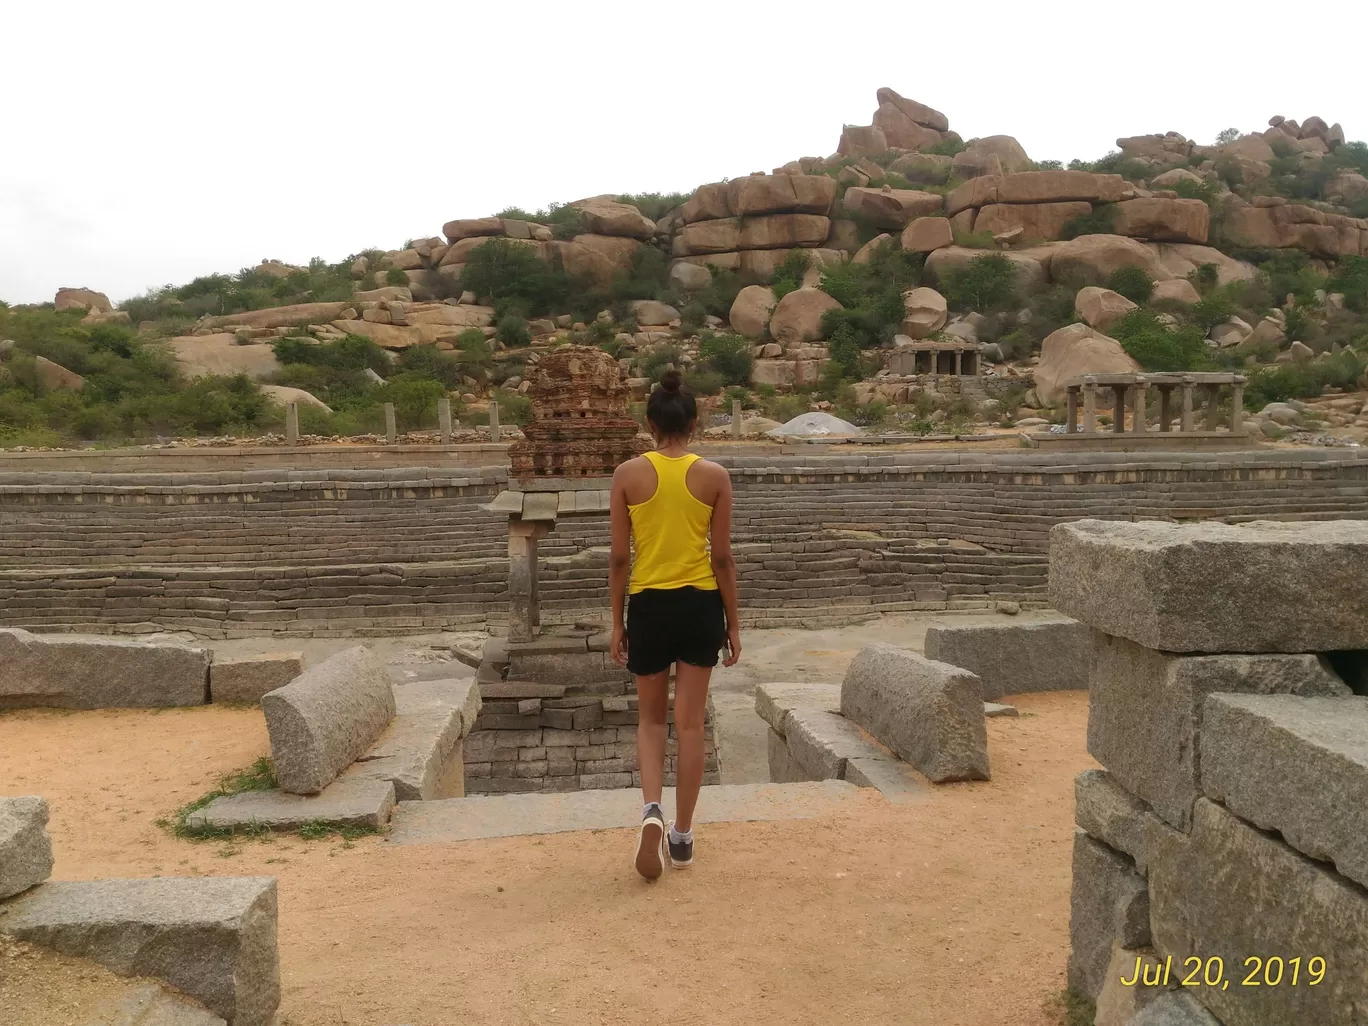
(671, 409)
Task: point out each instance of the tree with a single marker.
(1226, 136)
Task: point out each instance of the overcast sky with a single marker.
(146, 143)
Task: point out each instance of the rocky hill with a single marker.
(813, 285)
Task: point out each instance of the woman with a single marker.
(682, 608)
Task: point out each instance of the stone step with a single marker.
(513, 815)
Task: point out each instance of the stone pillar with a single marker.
(1213, 396)
(1237, 405)
(292, 424)
(1071, 421)
(736, 420)
(1119, 409)
(1089, 405)
(959, 363)
(493, 421)
(1165, 413)
(1141, 398)
(524, 614)
(444, 420)
(391, 428)
(1186, 423)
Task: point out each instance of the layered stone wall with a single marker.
(818, 537)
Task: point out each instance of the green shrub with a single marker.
(986, 283)
(394, 276)
(660, 358)
(1205, 190)
(871, 293)
(1289, 272)
(976, 240)
(1283, 381)
(647, 277)
(1351, 278)
(506, 271)
(1157, 347)
(843, 347)
(783, 408)
(655, 205)
(512, 330)
(691, 316)
(727, 355)
(947, 147)
(414, 398)
(514, 407)
(1132, 282)
(701, 381)
(430, 362)
(788, 276)
(1101, 221)
(719, 294)
(1212, 309)
(738, 393)
(1205, 278)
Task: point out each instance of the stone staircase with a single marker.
(513, 815)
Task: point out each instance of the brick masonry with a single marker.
(819, 538)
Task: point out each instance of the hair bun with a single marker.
(670, 381)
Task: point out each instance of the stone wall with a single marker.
(1224, 840)
(818, 537)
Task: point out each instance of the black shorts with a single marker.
(669, 625)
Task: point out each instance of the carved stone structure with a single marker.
(580, 425)
(938, 356)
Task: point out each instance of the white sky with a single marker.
(145, 143)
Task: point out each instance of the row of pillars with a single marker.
(1139, 401)
(391, 425)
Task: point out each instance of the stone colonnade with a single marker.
(391, 423)
(1131, 391)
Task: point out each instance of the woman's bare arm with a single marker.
(724, 564)
(619, 564)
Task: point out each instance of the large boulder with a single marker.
(1181, 259)
(928, 233)
(776, 194)
(1035, 221)
(708, 203)
(1015, 658)
(862, 141)
(25, 849)
(689, 277)
(597, 258)
(924, 312)
(927, 168)
(798, 316)
(891, 208)
(751, 310)
(72, 672)
(245, 679)
(1163, 220)
(1101, 308)
(82, 299)
(327, 717)
(1346, 187)
(1176, 290)
(472, 227)
(918, 113)
(220, 353)
(1091, 259)
(1060, 186)
(653, 313)
(283, 395)
(930, 714)
(718, 235)
(1174, 177)
(279, 316)
(901, 131)
(866, 252)
(1010, 156)
(605, 216)
(1255, 147)
(782, 231)
(1074, 350)
(53, 376)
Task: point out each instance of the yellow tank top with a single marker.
(670, 531)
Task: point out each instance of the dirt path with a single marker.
(952, 911)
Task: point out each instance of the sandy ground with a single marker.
(948, 911)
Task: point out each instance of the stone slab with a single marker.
(773, 701)
(1112, 815)
(1108, 905)
(1014, 659)
(349, 801)
(513, 815)
(1145, 712)
(568, 668)
(1212, 587)
(1176, 1008)
(892, 778)
(72, 672)
(1117, 1003)
(1295, 765)
(25, 848)
(783, 767)
(991, 710)
(147, 1004)
(212, 938)
(327, 717)
(246, 679)
(520, 689)
(420, 751)
(929, 714)
(1230, 891)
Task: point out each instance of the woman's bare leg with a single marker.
(691, 704)
(653, 706)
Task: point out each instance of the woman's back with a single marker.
(670, 522)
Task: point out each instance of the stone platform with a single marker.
(512, 815)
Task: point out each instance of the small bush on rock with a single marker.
(985, 284)
(727, 355)
(503, 270)
(701, 381)
(1351, 278)
(1101, 221)
(1132, 282)
(658, 359)
(512, 330)
(1283, 381)
(396, 277)
(788, 276)
(1157, 347)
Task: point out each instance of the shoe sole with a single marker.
(648, 857)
